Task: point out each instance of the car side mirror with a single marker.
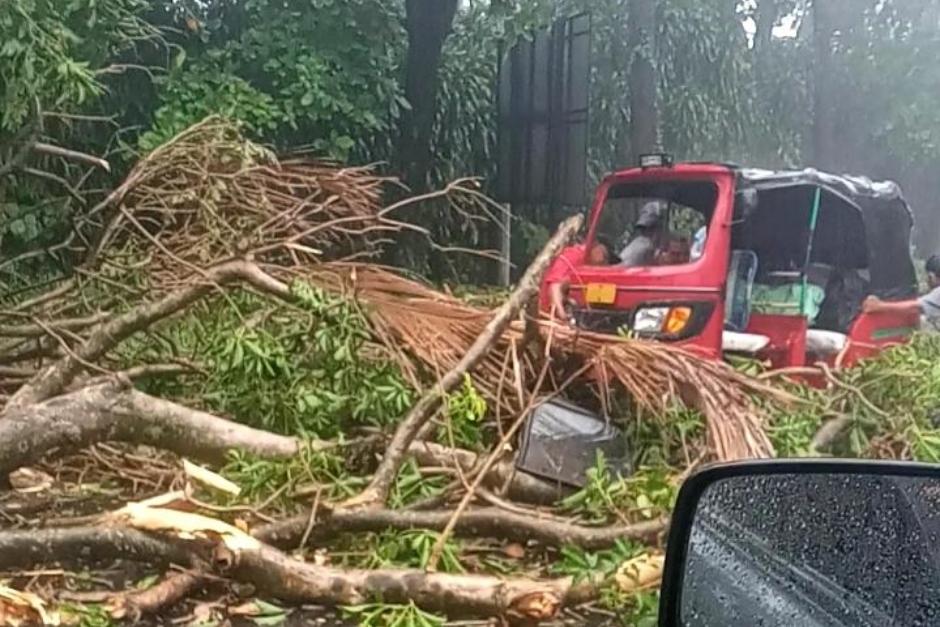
(805, 542)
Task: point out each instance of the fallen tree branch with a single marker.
(829, 433)
(108, 412)
(21, 548)
(376, 493)
(135, 373)
(171, 589)
(37, 330)
(276, 575)
(483, 522)
(104, 337)
(279, 576)
(51, 150)
(522, 487)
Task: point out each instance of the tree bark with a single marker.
(482, 522)
(23, 548)
(644, 113)
(107, 412)
(276, 575)
(427, 22)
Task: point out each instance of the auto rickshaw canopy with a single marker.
(797, 218)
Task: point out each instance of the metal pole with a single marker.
(813, 218)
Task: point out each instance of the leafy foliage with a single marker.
(892, 403)
(298, 371)
(640, 609)
(411, 486)
(584, 565)
(51, 51)
(320, 74)
(606, 496)
(389, 615)
(259, 477)
(411, 549)
(465, 412)
(90, 615)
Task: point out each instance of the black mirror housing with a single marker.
(809, 541)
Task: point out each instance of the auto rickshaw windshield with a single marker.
(671, 219)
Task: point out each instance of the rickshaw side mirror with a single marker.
(745, 202)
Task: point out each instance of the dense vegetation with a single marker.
(410, 85)
(731, 80)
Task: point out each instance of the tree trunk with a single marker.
(825, 105)
(763, 35)
(428, 23)
(644, 115)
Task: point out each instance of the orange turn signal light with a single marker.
(677, 320)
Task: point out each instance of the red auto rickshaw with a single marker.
(778, 265)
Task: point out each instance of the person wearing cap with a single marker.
(641, 251)
(928, 305)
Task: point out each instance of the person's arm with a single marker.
(557, 291)
(873, 304)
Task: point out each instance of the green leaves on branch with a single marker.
(390, 615)
(51, 52)
(608, 497)
(298, 370)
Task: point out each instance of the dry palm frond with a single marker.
(420, 324)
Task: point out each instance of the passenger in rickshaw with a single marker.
(675, 252)
(927, 306)
(647, 235)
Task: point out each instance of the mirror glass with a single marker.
(814, 549)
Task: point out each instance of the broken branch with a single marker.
(482, 522)
(377, 491)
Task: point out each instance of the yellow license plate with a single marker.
(600, 293)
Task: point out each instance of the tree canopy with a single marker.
(732, 80)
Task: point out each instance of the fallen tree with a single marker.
(209, 219)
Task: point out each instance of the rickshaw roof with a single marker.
(885, 215)
(857, 190)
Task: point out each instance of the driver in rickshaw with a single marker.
(647, 235)
(927, 306)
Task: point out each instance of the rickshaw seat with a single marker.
(821, 342)
(747, 343)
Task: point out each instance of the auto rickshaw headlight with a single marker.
(650, 319)
(662, 320)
